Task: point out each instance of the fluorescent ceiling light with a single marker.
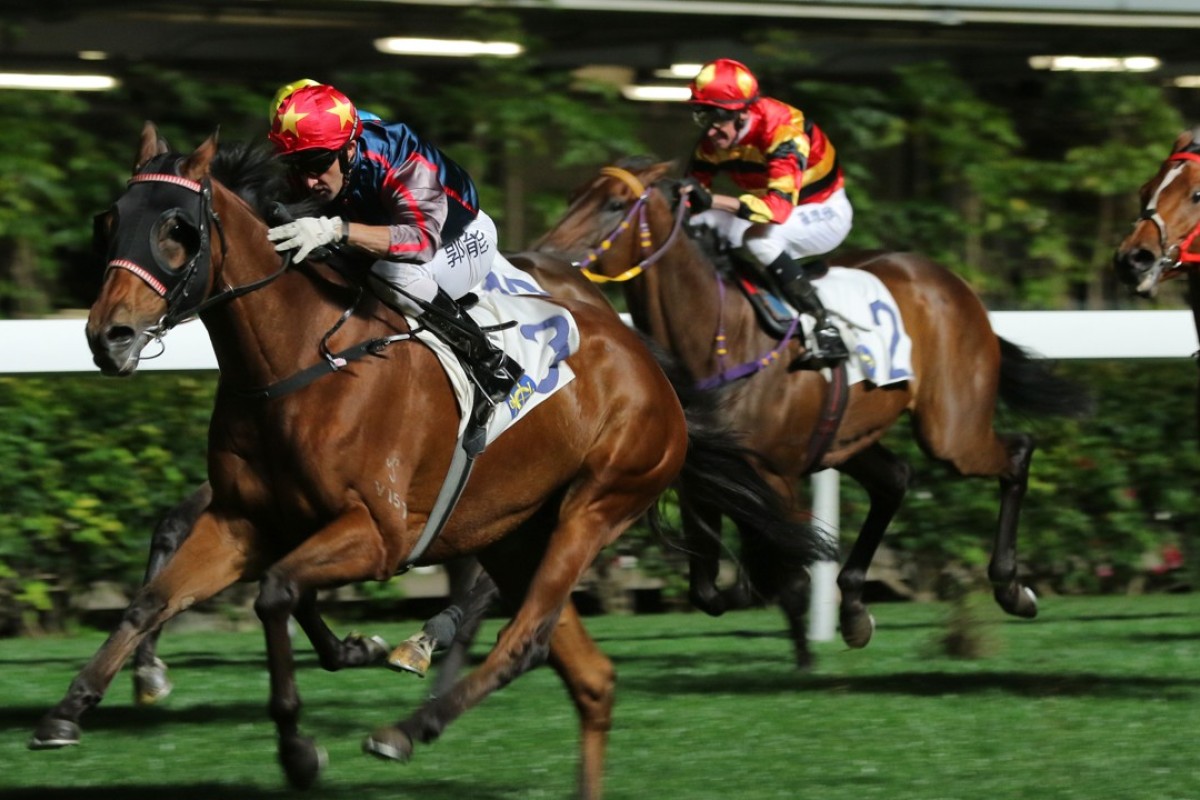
(681, 72)
(1095, 63)
(82, 83)
(657, 94)
(1187, 82)
(399, 45)
(92, 55)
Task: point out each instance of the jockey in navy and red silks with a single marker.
(793, 203)
(394, 196)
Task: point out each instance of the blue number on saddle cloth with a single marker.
(885, 316)
(559, 345)
(512, 284)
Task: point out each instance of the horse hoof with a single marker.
(858, 629)
(414, 655)
(150, 684)
(390, 743)
(53, 734)
(374, 648)
(1020, 603)
(302, 761)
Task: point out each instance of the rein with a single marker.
(645, 240)
(746, 369)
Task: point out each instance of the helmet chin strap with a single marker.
(344, 162)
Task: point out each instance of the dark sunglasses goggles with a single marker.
(707, 116)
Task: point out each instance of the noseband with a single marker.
(1150, 213)
(645, 240)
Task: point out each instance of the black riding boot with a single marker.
(492, 371)
(803, 295)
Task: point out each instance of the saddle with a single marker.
(774, 314)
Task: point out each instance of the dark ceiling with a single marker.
(279, 39)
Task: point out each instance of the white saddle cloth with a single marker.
(865, 313)
(544, 336)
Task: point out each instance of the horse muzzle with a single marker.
(116, 348)
(1143, 269)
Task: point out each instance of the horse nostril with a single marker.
(119, 335)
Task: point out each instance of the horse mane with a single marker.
(637, 163)
(251, 171)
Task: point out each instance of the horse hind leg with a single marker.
(885, 479)
(526, 640)
(591, 680)
(1012, 595)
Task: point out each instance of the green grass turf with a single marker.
(1095, 699)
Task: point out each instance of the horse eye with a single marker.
(614, 205)
(1196, 196)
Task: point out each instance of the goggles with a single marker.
(707, 116)
(311, 163)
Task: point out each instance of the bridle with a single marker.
(645, 240)
(725, 374)
(184, 288)
(1182, 249)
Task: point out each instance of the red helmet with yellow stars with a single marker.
(316, 117)
(724, 83)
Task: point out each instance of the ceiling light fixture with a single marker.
(679, 72)
(454, 48)
(1095, 63)
(1187, 82)
(45, 81)
(657, 94)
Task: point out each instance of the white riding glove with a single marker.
(307, 234)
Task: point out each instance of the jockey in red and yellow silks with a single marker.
(781, 161)
(792, 201)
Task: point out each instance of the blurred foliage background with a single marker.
(1023, 196)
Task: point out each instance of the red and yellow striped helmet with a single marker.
(317, 117)
(724, 83)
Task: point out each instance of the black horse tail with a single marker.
(1030, 385)
(720, 474)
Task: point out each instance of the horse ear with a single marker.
(659, 171)
(197, 164)
(151, 145)
(1186, 139)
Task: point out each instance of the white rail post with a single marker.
(826, 512)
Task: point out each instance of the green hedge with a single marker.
(87, 465)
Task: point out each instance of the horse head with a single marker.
(603, 210)
(1160, 245)
(157, 252)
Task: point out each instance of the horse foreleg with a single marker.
(150, 682)
(885, 479)
(356, 650)
(471, 593)
(207, 562)
(344, 551)
(1012, 595)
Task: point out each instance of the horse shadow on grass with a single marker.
(427, 790)
(679, 677)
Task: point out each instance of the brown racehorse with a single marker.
(960, 365)
(333, 483)
(1163, 243)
